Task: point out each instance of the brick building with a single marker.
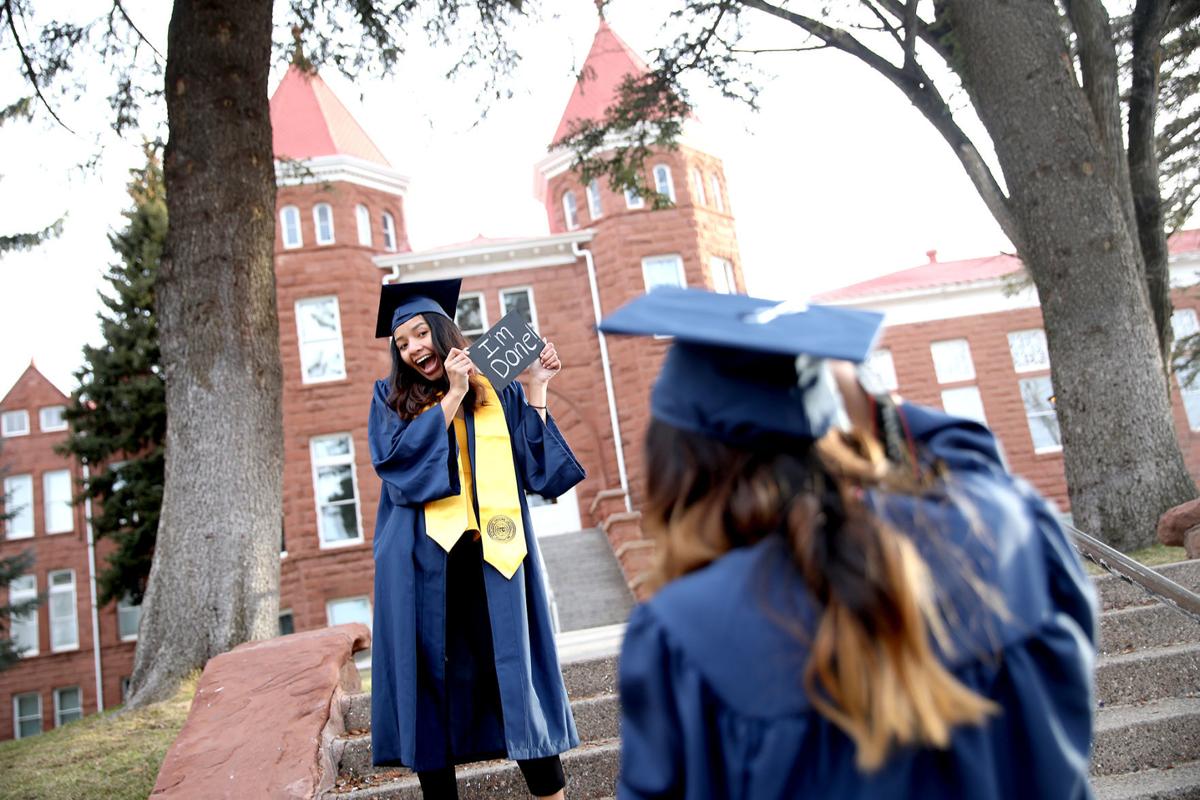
(340, 234)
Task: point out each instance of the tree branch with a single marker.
(910, 35)
(779, 49)
(887, 23)
(30, 74)
(120, 8)
(898, 9)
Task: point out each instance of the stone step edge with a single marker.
(1148, 783)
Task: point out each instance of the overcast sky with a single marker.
(836, 180)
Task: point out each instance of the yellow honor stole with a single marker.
(494, 481)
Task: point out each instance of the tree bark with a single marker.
(1123, 462)
(215, 578)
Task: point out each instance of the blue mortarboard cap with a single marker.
(400, 302)
(742, 369)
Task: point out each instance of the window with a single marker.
(27, 715)
(471, 315)
(389, 232)
(64, 625)
(1028, 349)
(52, 418)
(663, 271)
(363, 216)
(56, 500)
(352, 609)
(663, 183)
(323, 221)
(129, 616)
(723, 279)
(964, 402)
(336, 492)
(1184, 324)
(14, 423)
(519, 300)
(68, 706)
(595, 209)
(633, 199)
(18, 505)
(882, 367)
(570, 210)
(290, 217)
(952, 361)
(717, 197)
(319, 326)
(1039, 412)
(24, 626)
(698, 187)
(287, 623)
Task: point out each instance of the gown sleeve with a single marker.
(544, 461)
(652, 758)
(411, 457)
(961, 444)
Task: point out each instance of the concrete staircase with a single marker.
(1147, 722)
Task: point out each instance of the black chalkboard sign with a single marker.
(506, 350)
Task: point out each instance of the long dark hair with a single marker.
(410, 393)
(871, 669)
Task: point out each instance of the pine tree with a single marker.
(118, 414)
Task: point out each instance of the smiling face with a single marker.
(414, 340)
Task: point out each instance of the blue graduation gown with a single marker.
(432, 702)
(712, 700)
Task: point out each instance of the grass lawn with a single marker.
(109, 756)
(1152, 556)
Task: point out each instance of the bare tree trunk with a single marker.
(1123, 462)
(1149, 18)
(215, 578)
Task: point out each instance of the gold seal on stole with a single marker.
(501, 528)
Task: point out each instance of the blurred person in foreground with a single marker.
(871, 610)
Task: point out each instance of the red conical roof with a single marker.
(607, 64)
(308, 120)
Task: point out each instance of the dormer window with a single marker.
(363, 216)
(289, 217)
(389, 232)
(663, 183)
(323, 221)
(570, 210)
(595, 210)
(698, 187)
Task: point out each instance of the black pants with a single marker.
(543, 776)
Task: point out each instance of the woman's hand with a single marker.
(459, 368)
(547, 365)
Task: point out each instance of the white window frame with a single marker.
(633, 200)
(698, 187)
(718, 198)
(1056, 448)
(595, 202)
(43, 427)
(389, 231)
(670, 181)
(51, 591)
(317, 224)
(362, 217)
(723, 267)
(882, 366)
(943, 369)
(957, 410)
(483, 315)
(7, 419)
(301, 342)
(532, 303)
(336, 461)
(18, 719)
(20, 595)
(47, 500)
(18, 511)
(570, 210)
(649, 260)
(1039, 366)
(288, 243)
(124, 610)
(58, 708)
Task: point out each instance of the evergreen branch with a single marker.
(28, 241)
(30, 73)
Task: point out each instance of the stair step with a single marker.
(1149, 674)
(1117, 593)
(1153, 735)
(1135, 627)
(1181, 782)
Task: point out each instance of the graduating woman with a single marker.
(464, 665)
(832, 623)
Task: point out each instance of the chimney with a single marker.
(932, 256)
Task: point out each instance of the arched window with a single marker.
(363, 216)
(389, 232)
(570, 210)
(718, 198)
(663, 183)
(323, 221)
(289, 217)
(633, 199)
(698, 187)
(595, 210)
